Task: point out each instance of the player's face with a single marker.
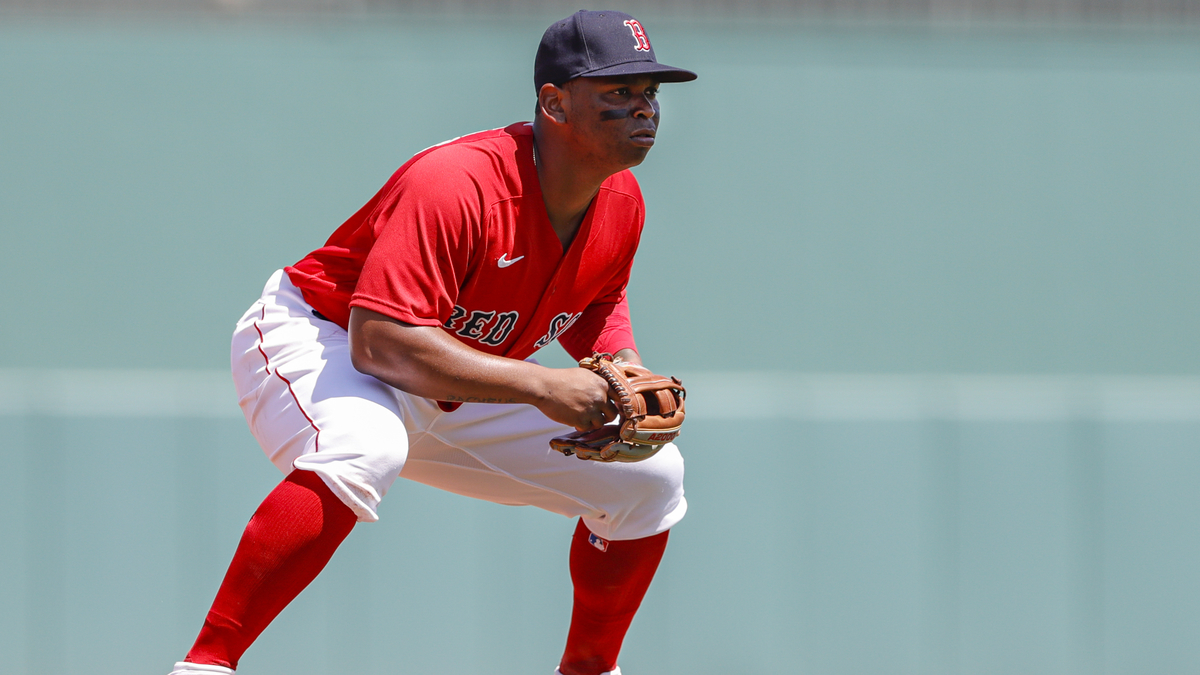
(615, 118)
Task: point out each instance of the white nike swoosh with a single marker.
(505, 263)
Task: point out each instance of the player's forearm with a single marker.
(629, 356)
(424, 361)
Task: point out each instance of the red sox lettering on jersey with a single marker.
(558, 325)
(490, 328)
(493, 328)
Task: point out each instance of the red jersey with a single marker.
(459, 237)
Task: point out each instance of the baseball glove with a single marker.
(651, 412)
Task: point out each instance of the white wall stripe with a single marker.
(799, 396)
(735, 395)
(118, 393)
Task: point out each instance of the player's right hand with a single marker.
(577, 398)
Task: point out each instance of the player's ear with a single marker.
(552, 103)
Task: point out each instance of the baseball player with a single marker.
(400, 349)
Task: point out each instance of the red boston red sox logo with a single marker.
(643, 43)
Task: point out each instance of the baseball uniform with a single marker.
(460, 240)
(457, 238)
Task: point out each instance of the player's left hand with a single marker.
(650, 407)
(577, 398)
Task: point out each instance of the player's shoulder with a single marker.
(482, 147)
(486, 161)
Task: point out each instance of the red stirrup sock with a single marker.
(609, 587)
(291, 537)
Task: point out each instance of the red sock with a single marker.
(609, 587)
(286, 544)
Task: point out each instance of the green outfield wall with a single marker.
(958, 264)
(846, 200)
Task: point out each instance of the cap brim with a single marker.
(660, 71)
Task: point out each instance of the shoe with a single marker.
(185, 668)
(614, 671)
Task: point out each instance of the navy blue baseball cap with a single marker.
(599, 44)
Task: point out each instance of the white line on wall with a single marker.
(779, 395)
(735, 395)
(118, 393)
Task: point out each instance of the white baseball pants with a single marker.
(310, 409)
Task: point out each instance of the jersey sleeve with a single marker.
(603, 327)
(425, 234)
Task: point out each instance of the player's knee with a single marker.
(657, 485)
(667, 471)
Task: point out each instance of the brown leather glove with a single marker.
(651, 412)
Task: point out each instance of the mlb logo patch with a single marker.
(599, 543)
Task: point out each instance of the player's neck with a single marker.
(568, 188)
(566, 221)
